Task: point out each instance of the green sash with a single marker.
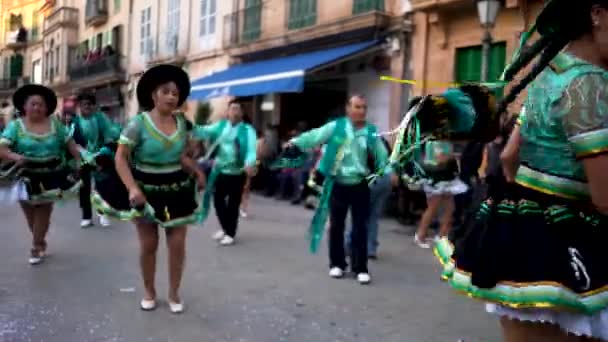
(334, 152)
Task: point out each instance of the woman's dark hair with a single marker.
(560, 22)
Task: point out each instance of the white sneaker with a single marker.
(86, 223)
(104, 221)
(243, 214)
(219, 235)
(147, 304)
(364, 278)
(336, 272)
(227, 241)
(176, 308)
(420, 243)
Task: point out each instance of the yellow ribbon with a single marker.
(413, 82)
(441, 84)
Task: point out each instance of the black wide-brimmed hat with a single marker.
(158, 75)
(22, 94)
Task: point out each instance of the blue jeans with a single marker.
(379, 193)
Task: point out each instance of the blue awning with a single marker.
(278, 75)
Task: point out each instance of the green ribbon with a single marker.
(317, 225)
(206, 200)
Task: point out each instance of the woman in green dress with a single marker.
(536, 252)
(37, 143)
(156, 182)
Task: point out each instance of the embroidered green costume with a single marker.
(234, 149)
(156, 166)
(537, 247)
(46, 173)
(346, 160)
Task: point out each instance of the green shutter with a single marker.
(16, 68)
(252, 24)
(302, 13)
(468, 63)
(116, 6)
(363, 6)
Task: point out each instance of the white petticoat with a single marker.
(595, 326)
(453, 187)
(13, 193)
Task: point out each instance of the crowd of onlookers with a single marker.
(93, 55)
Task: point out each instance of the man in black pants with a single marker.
(353, 151)
(91, 130)
(233, 144)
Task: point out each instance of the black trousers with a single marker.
(85, 194)
(227, 201)
(357, 199)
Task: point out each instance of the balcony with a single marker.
(96, 12)
(17, 39)
(265, 36)
(243, 26)
(61, 17)
(106, 68)
(168, 51)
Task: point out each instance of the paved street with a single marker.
(267, 288)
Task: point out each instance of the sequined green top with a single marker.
(152, 150)
(36, 147)
(565, 119)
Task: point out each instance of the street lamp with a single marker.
(488, 11)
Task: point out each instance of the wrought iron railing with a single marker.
(105, 64)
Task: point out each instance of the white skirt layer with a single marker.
(13, 193)
(595, 326)
(453, 187)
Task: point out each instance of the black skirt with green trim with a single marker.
(172, 196)
(49, 181)
(531, 250)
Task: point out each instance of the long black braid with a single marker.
(559, 23)
(556, 45)
(526, 56)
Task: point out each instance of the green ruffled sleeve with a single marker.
(584, 110)
(9, 135)
(131, 134)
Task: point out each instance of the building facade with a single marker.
(20, 44)
(448, 38)
(266, 30)
(186, 33)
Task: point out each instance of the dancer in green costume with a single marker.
(233, 142)
(535, 253)
(353, 152)
(156, 190)
(37, 143)
(91, 130)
